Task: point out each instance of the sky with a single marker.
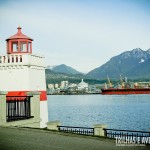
(83, 34)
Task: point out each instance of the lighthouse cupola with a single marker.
(19, 43)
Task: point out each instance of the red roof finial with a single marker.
(19, 35)
(19, 29)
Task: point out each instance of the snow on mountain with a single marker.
(126, 63)
(142, 60)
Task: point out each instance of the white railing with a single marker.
(22, 59)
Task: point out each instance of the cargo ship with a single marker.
(114, 91)
(126, 88)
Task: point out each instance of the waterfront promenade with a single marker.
(12, 138)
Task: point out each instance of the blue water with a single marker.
(129, 112)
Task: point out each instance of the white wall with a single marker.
(28, 75)
(14, 78)
(37, 79)
(43, 114)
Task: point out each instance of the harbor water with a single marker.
(127, 112)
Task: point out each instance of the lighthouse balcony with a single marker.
(22, 59)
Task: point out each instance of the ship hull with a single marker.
(125, 91)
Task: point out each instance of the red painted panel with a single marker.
(43, 95)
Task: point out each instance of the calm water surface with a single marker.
(130, 112)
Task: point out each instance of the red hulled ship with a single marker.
(126, 88)
(113, 91)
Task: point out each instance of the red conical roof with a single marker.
(19, 35)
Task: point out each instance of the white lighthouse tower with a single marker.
(22, 72)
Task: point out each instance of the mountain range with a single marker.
(64, 69)
(132, 64)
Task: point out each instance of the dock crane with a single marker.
(121, 80)
(110, 85)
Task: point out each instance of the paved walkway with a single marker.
(34, 139)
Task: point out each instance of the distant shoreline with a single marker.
(76, 94)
